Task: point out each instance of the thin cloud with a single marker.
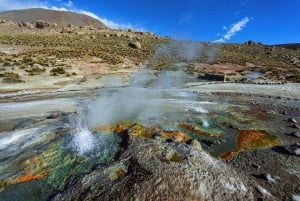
(237, 13)
(234, 29)
(62, 6)
(69, 4)
(185, 18)
(20, 4)
(244, 3)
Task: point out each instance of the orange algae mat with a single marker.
(251, 139)
(31, 171)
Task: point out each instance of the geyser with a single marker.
(83, 140)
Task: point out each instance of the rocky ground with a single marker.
(152, 167)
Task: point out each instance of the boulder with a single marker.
(30, 26)
(294, 149)
(296, 134)
(294, 60)
(196, 144)
(25, 24)
(135, 44)
(67, 29)
(292, 120)
(42, 24)
(212, 77)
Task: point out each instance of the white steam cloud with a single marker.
(238, 26)
(153, 96)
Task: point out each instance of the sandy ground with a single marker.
(67, 87)
(291, 90)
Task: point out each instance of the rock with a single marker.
(296, 134)
(294, 60)
(212, 77)
(196, 144)
(67, 29)
(42, 24)
(173, 155)
(118, 35)
(294, 149)
(25, 24)
(263, 191)
(255, 166)
(292, 120)
(296, 197)
(30, 26)
(268, 177)
(116, 172)
(55, 115)
(135, 44)
(147, 175)
(24, 124)
(271, 112)
(295, 126)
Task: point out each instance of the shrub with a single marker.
(11, 78)
(35, 70)
(57, 70)
(6, 63)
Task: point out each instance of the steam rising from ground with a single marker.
(143, 98)
(141, 101)
(151, 95)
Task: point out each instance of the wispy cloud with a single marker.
(20, 4)
(236, 27)
(185, 18)
(63, 6)
(244, 3)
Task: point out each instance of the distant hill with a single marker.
(294, 46)
(61, 18)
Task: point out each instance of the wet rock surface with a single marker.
(155, 170)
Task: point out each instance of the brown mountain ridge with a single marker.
(61, 18)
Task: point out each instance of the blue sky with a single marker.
(266, 21)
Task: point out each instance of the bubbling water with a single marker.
(205, 123)
(83, 140)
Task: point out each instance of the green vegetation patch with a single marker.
(11, 78)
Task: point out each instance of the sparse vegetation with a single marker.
(10, 77)
(57, 71)
(35, 70)
(52, 50)
(111, 49)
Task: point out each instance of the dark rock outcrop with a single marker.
(42, 24)
(212, 77)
